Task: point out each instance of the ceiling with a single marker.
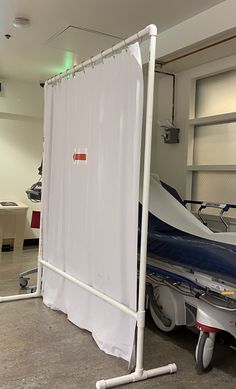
(61, 32)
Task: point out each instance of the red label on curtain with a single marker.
(79, 157)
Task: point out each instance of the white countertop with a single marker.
(20, 206)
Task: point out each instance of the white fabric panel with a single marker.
(90, 208)
(164, 206)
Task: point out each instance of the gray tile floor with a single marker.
(41, 349)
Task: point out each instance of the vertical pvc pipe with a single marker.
(40, 253)
(146, 184)
(39, 278)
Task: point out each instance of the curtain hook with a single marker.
(113, 53)
(102, 56)
(126, 47)
(140, 38)
(91, 62)
(82, 64)
(74, 70)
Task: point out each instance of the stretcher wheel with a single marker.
(23, 283)
(33, 289)
(204, 351)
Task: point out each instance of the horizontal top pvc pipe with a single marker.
(145, 33)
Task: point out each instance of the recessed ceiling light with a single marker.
(21, 22)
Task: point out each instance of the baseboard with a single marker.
(31, 242)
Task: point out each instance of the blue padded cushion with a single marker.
(177, 247)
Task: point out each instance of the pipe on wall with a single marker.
(162, 63)
(173, 93)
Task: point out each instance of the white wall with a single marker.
(215, 21)
(170, 160)
(167, 159)
(21, 142)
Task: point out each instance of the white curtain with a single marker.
(90, 196)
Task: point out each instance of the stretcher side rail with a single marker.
(223, 207)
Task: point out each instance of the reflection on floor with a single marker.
(12, 263)
(41, 349)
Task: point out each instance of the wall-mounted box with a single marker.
(171, 135)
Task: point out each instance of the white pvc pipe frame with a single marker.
(150, 32)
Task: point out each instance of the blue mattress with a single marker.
(179, 248)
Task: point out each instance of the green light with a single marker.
(69, 60)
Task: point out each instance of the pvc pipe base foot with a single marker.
(101, 384)
(20, 297)
(134, 377)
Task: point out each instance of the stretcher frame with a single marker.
(148, 33)
(212, 299)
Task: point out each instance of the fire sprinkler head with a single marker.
(21, 22)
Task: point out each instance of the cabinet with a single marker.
(12, 224)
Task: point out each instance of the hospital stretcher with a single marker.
(191, 280)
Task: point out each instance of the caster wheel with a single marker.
(204, 351)
(23, 283)
(33, 289)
